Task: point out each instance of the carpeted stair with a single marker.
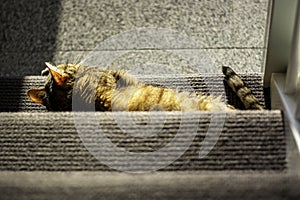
(63, 154)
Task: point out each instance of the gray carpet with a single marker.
(50, 141)
(160, 185)
(48, 155)
(42, 155)
(33, 32)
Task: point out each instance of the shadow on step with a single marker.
(13, 92)
(28, 35)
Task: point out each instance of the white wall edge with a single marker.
(287, 103)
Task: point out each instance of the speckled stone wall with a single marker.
(229, 32)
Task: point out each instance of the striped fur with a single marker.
(114, 90)
(244, 93)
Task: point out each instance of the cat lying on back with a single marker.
(115, 90)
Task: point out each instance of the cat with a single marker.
(115, 90)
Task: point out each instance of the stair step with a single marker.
(13, 89)
(75, 154)
(159, 185)
(33, 139)
(67, 141)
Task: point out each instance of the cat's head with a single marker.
(56, 95)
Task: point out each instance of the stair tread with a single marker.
(13, 89)
(62, 141)
(159, 185)
(33, 139)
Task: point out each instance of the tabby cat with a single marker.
(114, 90)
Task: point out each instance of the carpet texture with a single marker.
(63, 141)
(59, 155)
(33, 139)
(159, 185)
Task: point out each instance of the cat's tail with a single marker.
(244, 93)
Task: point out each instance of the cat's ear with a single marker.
(59, 77)
(37, 95)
